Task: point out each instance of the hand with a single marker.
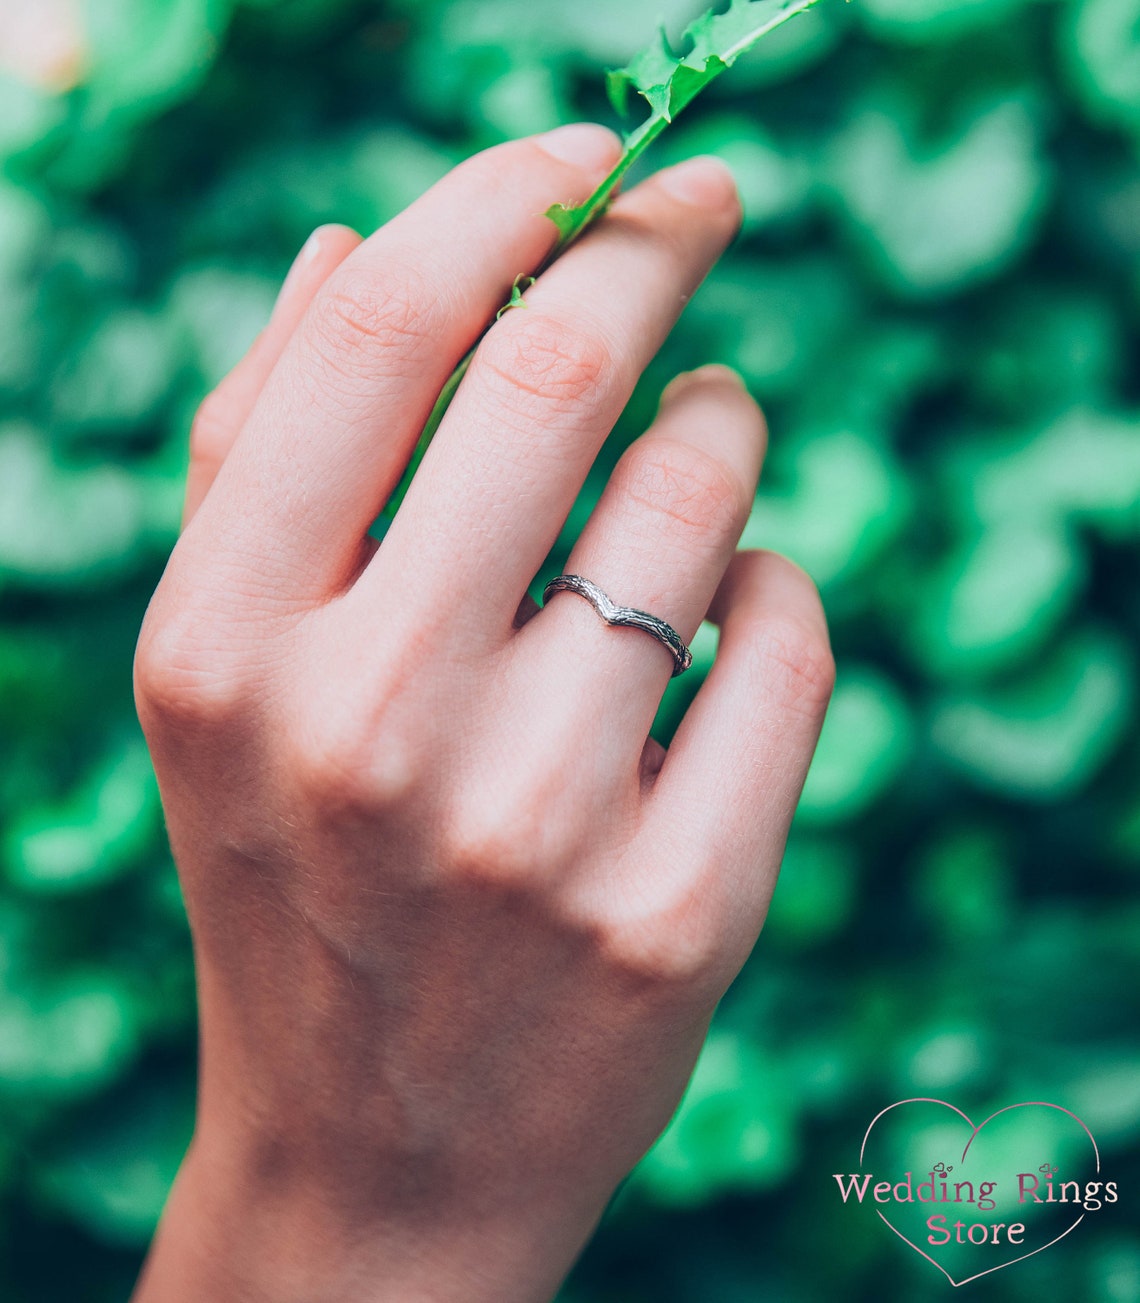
(459, 924)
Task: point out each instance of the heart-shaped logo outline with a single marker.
(1029, 1103)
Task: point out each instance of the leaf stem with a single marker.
(435, 418)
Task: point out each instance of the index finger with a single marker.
(337, 420)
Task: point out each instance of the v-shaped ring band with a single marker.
(624, 616)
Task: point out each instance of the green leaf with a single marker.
(727, 36)
(648, 73)
(522, 283)
(669, 82)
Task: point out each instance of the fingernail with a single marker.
(705, 181)
(585, 143)
(713, 372)
(307, 253)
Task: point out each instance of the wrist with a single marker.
(232, 1232)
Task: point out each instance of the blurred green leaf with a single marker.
(27, 114)
(146, 55)
(931, 20)
(998, 597)
(964, 886)
(113, 1173)
(846, 503)
(1084, 467)
(1046, 350)
(865, 743)
(1045, 735)
(1109, 1091)
(58, 523)
(935, 219)
(816, 891)
(100, 830)
(775, 320)
(1102, 39)
(65, 1038)
(220, 311)
(24, 227)
(947, 1055)
(735, 1128)
(774, 184)
(119, 377)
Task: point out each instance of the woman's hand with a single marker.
(459, 924)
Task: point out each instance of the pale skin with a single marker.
(459, 923)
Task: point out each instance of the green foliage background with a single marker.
(937, 297)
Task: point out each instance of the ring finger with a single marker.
(659, 540)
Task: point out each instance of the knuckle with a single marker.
(181, 675)
(538, 356)
(692, 489)
(377, 311)
(490, 855)
(212, 430)
(796, 659)
(348, 764)
(667, 950)
(506, 838)
(329, 772)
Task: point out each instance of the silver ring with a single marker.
(625, 616)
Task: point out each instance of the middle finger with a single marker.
(545, 388)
